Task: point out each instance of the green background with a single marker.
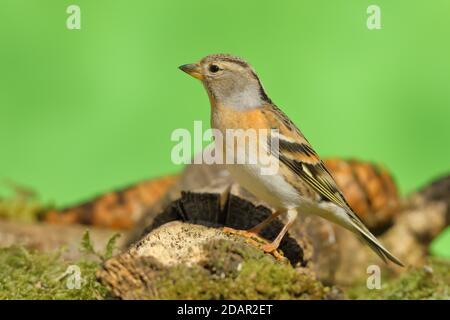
(85, 111)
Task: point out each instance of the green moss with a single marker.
(235, 271)
(22, 204)
(31, 275)
(429, 282)
(28, 274)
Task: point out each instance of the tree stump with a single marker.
(180, 260)
(205, 194)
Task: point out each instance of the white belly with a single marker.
(279, 194)
(272, 189)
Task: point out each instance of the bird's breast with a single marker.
(244, 137)
(223, 118)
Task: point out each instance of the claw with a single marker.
(268, 247)
(231, 230)
(243, 233)
(256, 241)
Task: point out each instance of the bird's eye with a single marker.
(214, 68)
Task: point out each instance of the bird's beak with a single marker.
(193, 70)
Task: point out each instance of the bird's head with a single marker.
(229, 81)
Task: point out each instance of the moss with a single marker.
(22, 204)
(429, 282)
(234, 271)
(32, 275)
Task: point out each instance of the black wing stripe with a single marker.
(320, 185)
(319, 178)
(297, 147)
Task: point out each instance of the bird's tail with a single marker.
(367, 237)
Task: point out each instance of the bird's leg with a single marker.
(271, 247)
(253, 232)
(260, 226)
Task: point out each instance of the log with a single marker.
(206, 195)
(179, 260)
(228, 205)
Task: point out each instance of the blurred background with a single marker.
(86, 111)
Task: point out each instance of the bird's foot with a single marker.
(256, 241)
(267, 247)
(244, 233)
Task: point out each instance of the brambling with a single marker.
(302, 183)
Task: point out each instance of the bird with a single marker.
(301, 183)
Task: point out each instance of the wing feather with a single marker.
(297, 154)
(304, 165)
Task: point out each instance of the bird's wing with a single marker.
(296, 153)
(303, 166)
